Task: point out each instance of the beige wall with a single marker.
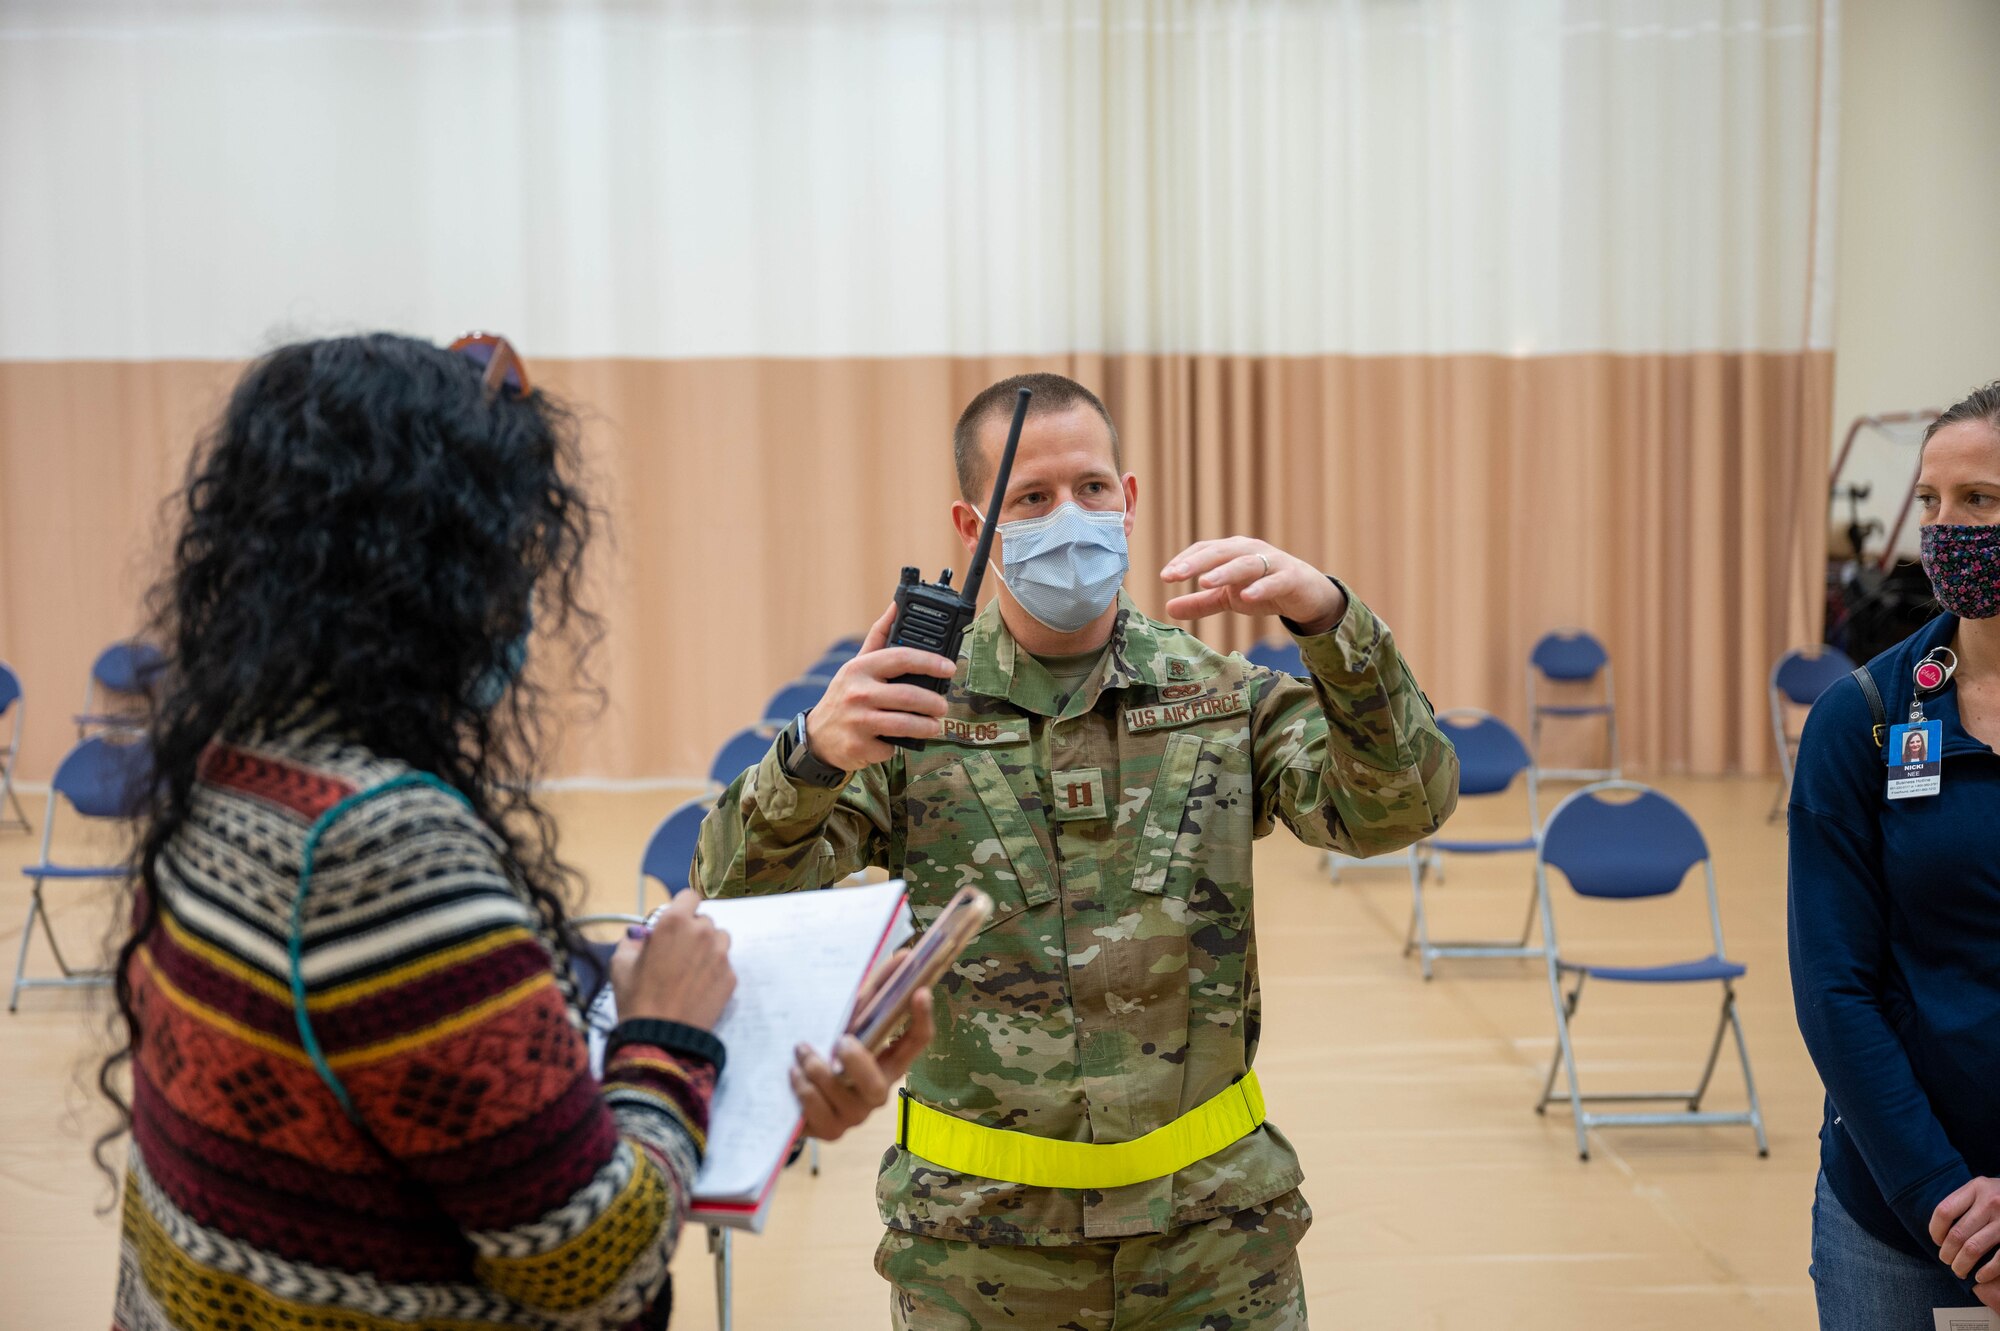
(1917, 319)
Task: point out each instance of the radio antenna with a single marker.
(976, 574)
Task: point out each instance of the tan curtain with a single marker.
(761, 508)
(1515, 313)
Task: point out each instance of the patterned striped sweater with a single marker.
(496, 1183)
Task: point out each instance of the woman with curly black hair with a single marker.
(360, 1094)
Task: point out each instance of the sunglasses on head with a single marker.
(496, 356)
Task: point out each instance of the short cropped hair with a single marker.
(1052, 393)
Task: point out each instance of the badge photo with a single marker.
(1915, 753)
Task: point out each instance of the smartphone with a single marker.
(879, 1019)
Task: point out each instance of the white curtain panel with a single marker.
(821, 178)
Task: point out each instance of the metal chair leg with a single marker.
(1714, 1050)
(49, 932)
(1782, 796)
(21, 958)
(1749, 1081)
(1555, 1055)
(1549, 1082)
(70, 976)
(719, 1244)
(1420, 934)
(1568, 1055)
(12, 798)
(1575, 1097)
(1786, 757)
(20, 818)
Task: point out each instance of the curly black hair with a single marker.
(367, 534)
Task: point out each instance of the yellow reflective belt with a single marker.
(1015, 1157)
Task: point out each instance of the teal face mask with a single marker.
(1065, 568)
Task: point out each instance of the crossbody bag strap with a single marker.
(295, 943)
(1875, 707)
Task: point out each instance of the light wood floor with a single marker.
(1442, 1200)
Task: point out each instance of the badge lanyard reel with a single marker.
(1916, 749)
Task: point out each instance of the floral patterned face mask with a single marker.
(1963, 562)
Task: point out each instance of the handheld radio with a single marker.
(932, 616)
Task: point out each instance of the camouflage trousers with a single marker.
(1233, 1273)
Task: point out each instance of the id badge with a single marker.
(1916, 759)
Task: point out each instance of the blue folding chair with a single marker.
(823, 670)
(1571, 656)
(101, 780)
(741, 751)
(126, 671)
(1282, 657)
(1629, 851)
(11, 703)
(789, 701)
(832, 659)
(669, 857)
(1800, 676)
(1490, 757)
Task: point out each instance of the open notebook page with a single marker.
(800, 959)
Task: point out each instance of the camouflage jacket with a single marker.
(1115, 987)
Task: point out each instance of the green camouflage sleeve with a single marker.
(771, 834)
(1353, 761)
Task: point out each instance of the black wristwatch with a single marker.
(795, 755)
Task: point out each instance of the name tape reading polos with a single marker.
(982, 732)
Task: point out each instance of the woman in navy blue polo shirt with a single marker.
(1895, 928)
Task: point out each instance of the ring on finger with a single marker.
(1267, 564)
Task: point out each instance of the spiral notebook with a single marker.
(800, 960)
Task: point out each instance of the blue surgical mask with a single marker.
(1065, 568)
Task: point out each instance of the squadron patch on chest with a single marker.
(1209, 707)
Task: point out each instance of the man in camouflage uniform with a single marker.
(1103, 786)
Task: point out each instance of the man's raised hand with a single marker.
(1252, 577)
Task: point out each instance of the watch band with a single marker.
(802, 764)
(673, 1036)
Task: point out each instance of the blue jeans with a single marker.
(1863, 1284)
